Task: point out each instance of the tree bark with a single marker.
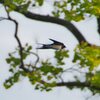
(78, 85)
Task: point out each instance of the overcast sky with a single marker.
(31, 31)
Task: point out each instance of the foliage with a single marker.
(87, 56)
(22, 5)
(71, 9)
(40, 2)
(60, 56)
(76, 9)
(44, 77)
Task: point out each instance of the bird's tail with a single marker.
(43, 46)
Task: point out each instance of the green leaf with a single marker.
(19, 1)
(8, 60)
(88, 56)
(16, 77)
(11, 80)
(40, 2)
(60, 55)
(29, 48)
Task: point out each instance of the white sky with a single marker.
(31, 31)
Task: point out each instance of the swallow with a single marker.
(55, 45)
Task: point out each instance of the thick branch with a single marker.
(98, 21)
(78, 85)
(62, 22)
(50, 19)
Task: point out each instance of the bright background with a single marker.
(31, 31)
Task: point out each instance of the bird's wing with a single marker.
(56, 42)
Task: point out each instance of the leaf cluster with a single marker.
(76, 9)
(88, 56)
(21, 5)
(60, 55)
(43, 77)
(71, 9)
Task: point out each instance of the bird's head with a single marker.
(63, 46)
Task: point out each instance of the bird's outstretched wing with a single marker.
(55, 42)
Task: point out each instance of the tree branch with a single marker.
(18, 40)
(61, 22)
(50, 19)
(37, 60)
(78, 85)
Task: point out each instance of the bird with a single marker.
(56, 45)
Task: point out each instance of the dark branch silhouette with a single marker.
(78, 85)
(78, 35)
(22, 66)
(98, 22)
(55, 20)
(18, 40)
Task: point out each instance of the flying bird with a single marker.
(55, 45)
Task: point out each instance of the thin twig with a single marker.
(73, 69)
(37, 60)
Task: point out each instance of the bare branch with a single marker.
(37, 60)
(22, 66)
(18, 40)
(33, 66)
